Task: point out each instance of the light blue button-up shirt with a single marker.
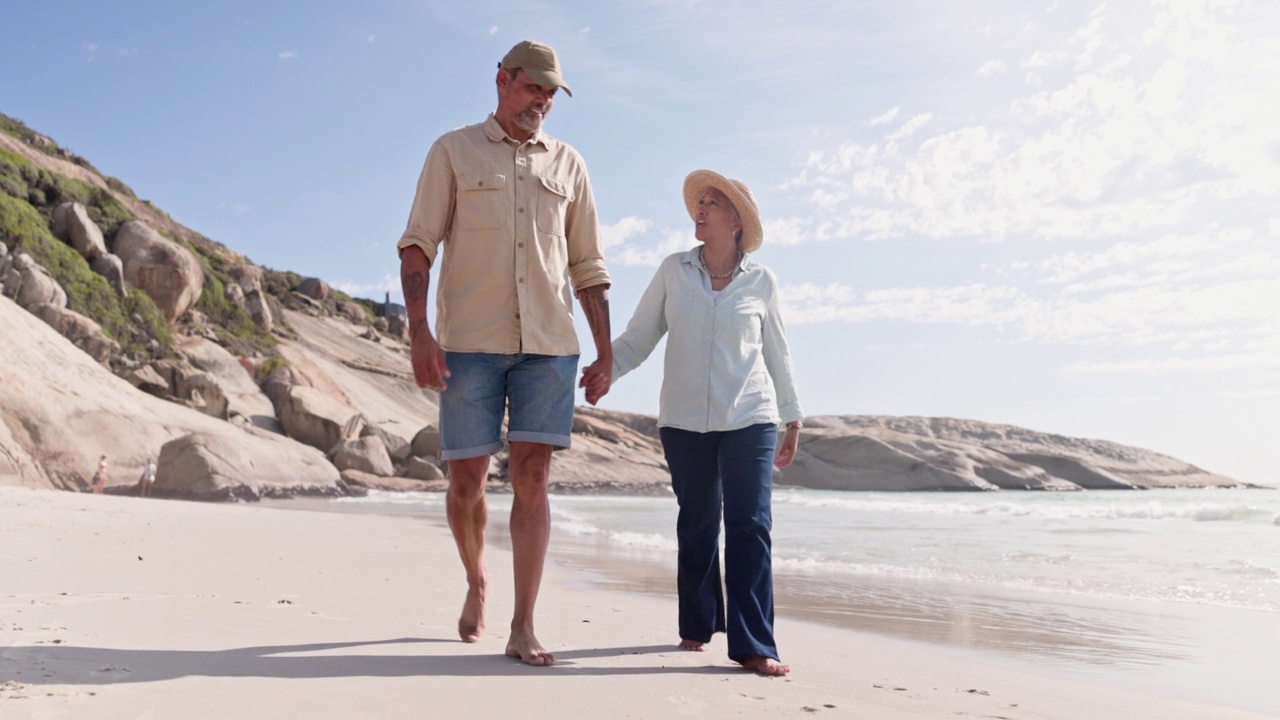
(727, 366)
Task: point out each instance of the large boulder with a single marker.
(422, 469)
(146, 379)
(71, 223)
(314, 288)
(207, 466)
(426, 443)
(110, 267)
(366, 454)
(201, 391)
(83, 332)
(397, 447)
(309, 416)
(244, 398)
(161, 268)
(28, 283)
(246, 292)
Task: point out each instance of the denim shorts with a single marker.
(536, 390)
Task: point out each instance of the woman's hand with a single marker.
(787, 448)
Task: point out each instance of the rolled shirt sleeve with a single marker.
(582, 231)
(433, 203)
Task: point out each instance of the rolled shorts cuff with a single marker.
(468, 453)
(540, 438)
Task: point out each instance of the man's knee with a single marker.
(467, 477)
(529, 465)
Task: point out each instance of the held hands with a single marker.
(596, 378)
(787, 448)
(429, 369)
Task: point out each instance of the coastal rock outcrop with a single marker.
(71, 223)
(250, 466)
(60, 410)
(160, 267)
(80, 330)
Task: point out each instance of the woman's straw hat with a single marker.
(698, 182)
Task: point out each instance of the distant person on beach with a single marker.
(100, 476)
(726, 387)
(148, 477)
(513, 212)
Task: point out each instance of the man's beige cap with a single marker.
(538, 61)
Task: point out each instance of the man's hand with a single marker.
(787, 448)
(596, 378)
(429, 369)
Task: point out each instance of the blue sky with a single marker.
(1061, 215)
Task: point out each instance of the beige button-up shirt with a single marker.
(517, 225)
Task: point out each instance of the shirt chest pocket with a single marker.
(554, 197)
(748, 318)
(482, 202)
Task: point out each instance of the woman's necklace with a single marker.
(702, 256)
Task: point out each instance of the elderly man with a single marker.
(512, 209)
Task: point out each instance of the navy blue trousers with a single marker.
(732, 470)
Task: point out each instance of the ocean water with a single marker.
(1176, 591)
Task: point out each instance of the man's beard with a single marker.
(529, 121)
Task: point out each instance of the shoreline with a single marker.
(113, 607)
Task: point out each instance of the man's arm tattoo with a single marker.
(415, 286)
(595, 306)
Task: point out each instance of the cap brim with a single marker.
(547, 79)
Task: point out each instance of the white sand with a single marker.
(115, 607)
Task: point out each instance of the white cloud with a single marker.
(991, 67)
(885, 118)
(623, 230)
(373, 291)
(288, 55)
(127, 52)
(493, 29)
(372, 39)
(1148, 137)
(910, 127)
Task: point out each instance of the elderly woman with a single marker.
(727, 386)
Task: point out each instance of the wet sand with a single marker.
(114, 607)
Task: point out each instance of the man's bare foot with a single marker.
(691, 645)
(525, 646)
(471, 623)
(765, 666)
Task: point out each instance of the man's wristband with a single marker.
(797, 424)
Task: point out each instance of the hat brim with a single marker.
(547, 78)
(699, 181)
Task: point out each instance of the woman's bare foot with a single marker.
(471, 622)
(765, 666)
(691, 645)
(525, 646)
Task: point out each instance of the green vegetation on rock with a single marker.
(132, 321)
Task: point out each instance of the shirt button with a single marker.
(522, 280)
(520, 244)
(521, 209)
(519, 177)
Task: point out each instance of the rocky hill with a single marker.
(128, 335)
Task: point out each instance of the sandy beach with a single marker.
(114, 607)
